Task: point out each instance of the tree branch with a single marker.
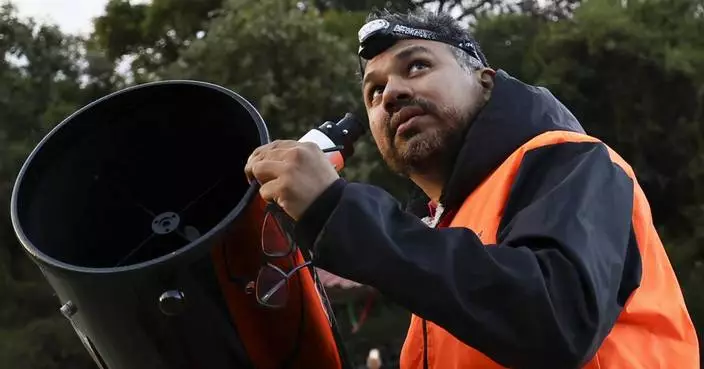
(472, 10)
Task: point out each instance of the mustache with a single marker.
(392, 120)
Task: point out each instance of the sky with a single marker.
(72, 16)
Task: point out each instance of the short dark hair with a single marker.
(441, 23)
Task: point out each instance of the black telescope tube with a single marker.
(123, 204)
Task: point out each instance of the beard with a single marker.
(426, 150)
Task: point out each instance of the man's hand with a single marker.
(292, 174)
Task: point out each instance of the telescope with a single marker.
(138, 213)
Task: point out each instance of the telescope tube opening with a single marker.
(137, 176)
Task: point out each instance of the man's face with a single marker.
(419, 100)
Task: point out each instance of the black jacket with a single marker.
(565, 262)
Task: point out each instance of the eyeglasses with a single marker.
(271, 285)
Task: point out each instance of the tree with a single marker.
(362, 5)
(151, 35)
(40, 84)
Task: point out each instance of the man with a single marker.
(538, 250)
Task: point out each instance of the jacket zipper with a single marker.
(432, 223)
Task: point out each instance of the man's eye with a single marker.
(417, 65)
(375, 92)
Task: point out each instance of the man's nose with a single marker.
(396, 95)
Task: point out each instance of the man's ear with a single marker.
(485, 78)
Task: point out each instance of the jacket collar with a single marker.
(515, 113)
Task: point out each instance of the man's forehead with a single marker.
(405, 48)
(413, 45)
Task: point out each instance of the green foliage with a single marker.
(152, 34)
(362, 5)
(39, 86)
(633, 76)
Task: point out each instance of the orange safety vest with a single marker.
(654, 329)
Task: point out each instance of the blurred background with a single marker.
(631, 71)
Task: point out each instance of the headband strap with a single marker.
(378, 35)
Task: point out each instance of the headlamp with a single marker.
(380, 34)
